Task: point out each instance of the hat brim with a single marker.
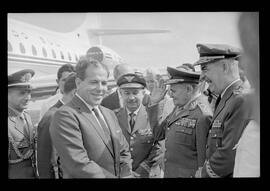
(131, 85)
(21, 85)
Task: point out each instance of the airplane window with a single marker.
(34, 50)
(22, 49)
(53, 53)
(62, 55)
(44, 52)
(69, 57)
(10, 49)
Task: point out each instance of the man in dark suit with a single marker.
(219, 64)
(185, 129)
(114, 101)
(87, 136)
(135, 125)
(47, 158)
(21, 132)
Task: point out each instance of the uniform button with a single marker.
(165, 160)
(131, 138)
(148, 141)
(206, 146)
(168, 128)
(131, 149)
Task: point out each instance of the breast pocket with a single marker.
(184, 135)
(216, 135)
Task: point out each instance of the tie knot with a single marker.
(132, 114)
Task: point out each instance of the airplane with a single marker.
(44, 51)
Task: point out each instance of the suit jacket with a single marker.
(185, 135)
(229, 120)
(140, 139)
(82, 146)
(22, 168)
(111, 101)
(44, 143)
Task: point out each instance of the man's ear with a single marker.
(78, 81)
(189, 88)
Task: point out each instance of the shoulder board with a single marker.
(204, 108)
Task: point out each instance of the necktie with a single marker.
(132, 121)
(103, 125)
(217, 101)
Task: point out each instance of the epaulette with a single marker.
(204, 108)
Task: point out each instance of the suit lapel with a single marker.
(141, 119)
(123, 120)
(110, 123)
(225, 98)
(84, 110)
(180, 114)
(29, 126)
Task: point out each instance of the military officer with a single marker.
(185, 129)
(219, 65)
(135, 125)
(21, 132)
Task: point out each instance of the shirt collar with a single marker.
(191, 100)
(15, 112)
(62, 101)
(223, 92)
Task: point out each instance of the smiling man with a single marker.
(219, 64)
(86, 135)
(21, 132)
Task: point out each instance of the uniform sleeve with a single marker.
(221, 163)
(203, 125)
(67, 139)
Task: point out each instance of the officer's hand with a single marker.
(159, 91)
(198, 173)
(157, 159)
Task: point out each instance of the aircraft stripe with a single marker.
(39, 59)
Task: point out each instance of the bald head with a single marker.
(122, 69)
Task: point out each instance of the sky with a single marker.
(150, 50)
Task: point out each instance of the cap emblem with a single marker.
(129, 78)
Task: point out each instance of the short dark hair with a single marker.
(70, 84)
(65, 68)
(83, 64)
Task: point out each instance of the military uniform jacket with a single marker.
(44, 143)
(21, 146)
(111, 101)
(185, 135)
(229, 119)
(140, 140)
(82, 146)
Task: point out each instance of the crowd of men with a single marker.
(193, 125)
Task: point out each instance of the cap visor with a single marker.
(131, 85)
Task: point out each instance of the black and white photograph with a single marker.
(134, 95)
